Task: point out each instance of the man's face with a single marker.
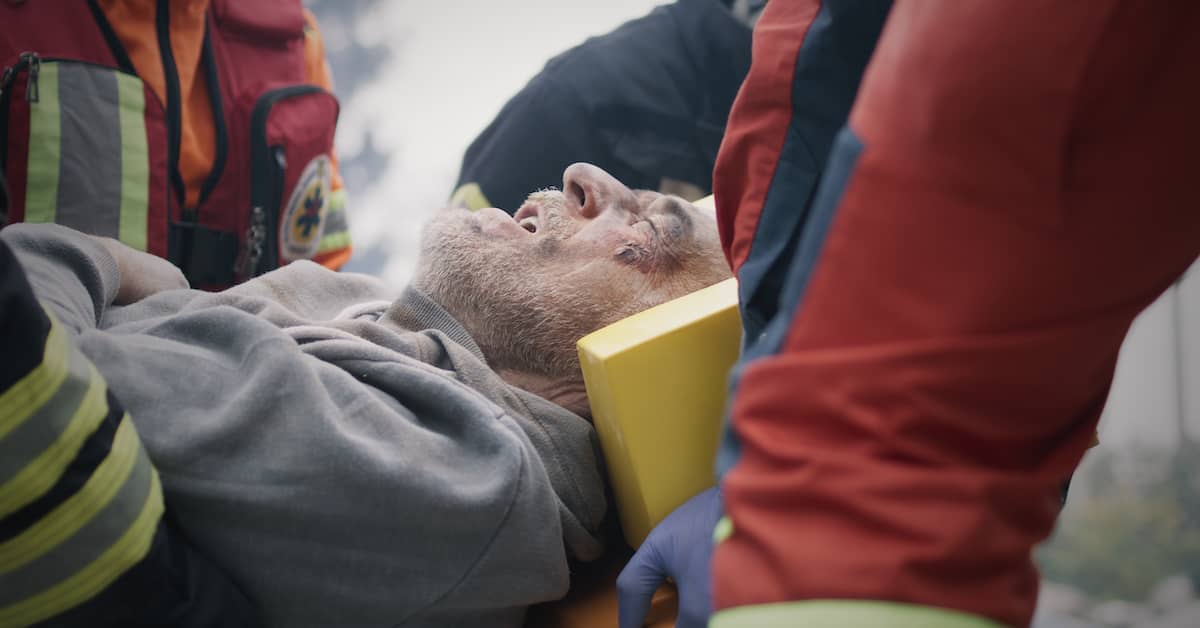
(529, 286)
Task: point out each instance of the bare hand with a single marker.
(142, 274)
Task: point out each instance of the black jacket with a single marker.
(646, 101)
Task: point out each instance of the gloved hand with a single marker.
(680, 547)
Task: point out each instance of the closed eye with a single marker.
(632, 254)
(653, 228)
(664, 228)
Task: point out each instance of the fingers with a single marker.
(636, 586)
(142, 274)
(695, 606)
(680, 547)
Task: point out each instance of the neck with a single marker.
(569, 393)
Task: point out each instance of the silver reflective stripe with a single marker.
(89, 540)
(89, 177)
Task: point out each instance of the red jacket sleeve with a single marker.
(1012, 190)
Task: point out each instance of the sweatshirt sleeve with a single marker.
(81, 506)
(334, 474)
(71, 274)
(337, 478)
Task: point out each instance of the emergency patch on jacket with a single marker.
(303, 220)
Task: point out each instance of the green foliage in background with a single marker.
(1123, 537)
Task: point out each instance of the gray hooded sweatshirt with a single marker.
(346, 456)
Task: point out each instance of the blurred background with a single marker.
(419, 80)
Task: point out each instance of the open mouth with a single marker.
(528, 217)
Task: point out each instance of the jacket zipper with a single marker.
(262, 236)
(27, 61)
(32, 62)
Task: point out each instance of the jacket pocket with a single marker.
(291, 172)
(86, 147)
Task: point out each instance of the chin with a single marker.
(439, 239)
(458, 263)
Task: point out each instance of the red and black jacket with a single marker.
(89, 145)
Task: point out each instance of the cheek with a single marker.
(583, 251)
(606, 281)
(709, 255)
(705, 268)
(608, 232)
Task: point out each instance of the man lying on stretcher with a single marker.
(354, 456)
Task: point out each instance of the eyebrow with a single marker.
(678, 210)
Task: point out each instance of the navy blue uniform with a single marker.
(645, 102)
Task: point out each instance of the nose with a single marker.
(591, 191)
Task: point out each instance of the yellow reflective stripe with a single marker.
(846, 614)
(45, 149)
(127, 551)
(80, 508)
(334, 241)
(471, 196)
(336, 234)
(135, 161)
(20, 401)
(336, 202)
(39, 475)
(723, 530)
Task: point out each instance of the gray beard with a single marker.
(526, 321)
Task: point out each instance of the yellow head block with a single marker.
(657, 383)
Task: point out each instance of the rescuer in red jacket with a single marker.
(1013, 187)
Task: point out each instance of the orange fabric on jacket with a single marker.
(133, 21)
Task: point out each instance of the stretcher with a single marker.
(657, 384)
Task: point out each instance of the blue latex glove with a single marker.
(680, 547)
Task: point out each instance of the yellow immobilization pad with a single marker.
(657, 383)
